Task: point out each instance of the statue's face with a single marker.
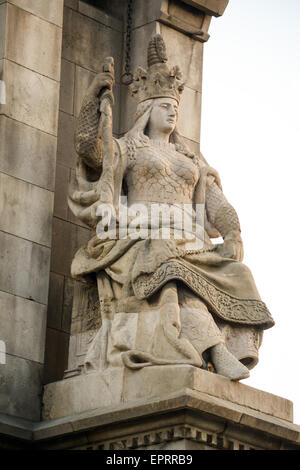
(164, 115)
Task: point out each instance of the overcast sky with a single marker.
(250, 133)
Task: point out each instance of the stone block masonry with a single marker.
(30, 64)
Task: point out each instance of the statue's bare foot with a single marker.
(226, 364)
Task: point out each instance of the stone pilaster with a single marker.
(30, 51)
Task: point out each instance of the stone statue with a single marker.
(163, 300)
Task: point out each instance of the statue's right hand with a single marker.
(101, 81)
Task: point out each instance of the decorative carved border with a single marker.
(227, 307)
(171, 434)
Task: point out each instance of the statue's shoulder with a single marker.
(129, 146)
(200, 161)
(197, 158)
(129, 141)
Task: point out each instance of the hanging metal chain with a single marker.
(127, 76)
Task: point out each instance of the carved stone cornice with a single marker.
(171, 434)
(191, 17)
(183, 420)
(198, 33)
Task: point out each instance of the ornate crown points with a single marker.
(158, 81)
(157, 52)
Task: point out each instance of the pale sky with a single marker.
(250, 133)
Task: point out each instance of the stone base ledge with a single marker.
(121, 385)
(185, 420)
(15, 433)
(156, 408)
(135, 409)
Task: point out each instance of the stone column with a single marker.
(30, 61)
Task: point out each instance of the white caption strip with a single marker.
(2, 352)
(2, 92)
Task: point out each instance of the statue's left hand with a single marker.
(232, 247)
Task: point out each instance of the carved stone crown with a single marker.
(158, 81)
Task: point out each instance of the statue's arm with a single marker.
(224, 218)
(87, 134)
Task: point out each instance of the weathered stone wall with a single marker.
(30, 48)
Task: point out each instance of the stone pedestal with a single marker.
(166, 408)
(121, 385)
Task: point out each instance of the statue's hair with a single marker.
(142, 116)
